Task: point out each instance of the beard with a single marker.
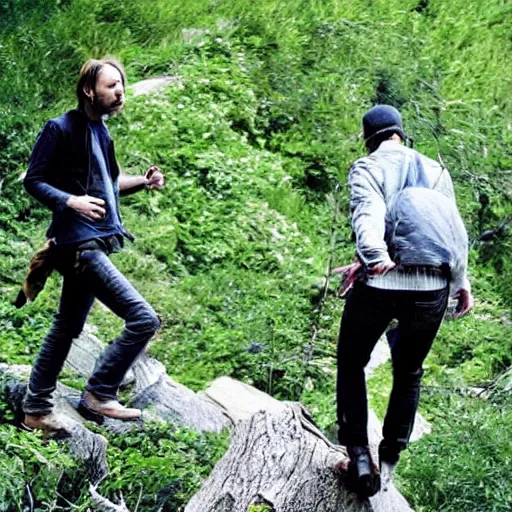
(106, 109)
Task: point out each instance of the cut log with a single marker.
(274, 461)
(163, 399)
(240, 401)
(169, 401)
(279, 458)
(85, 352)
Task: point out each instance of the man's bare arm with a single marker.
(129, 184)
(152, 179)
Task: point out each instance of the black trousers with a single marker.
(368, 312)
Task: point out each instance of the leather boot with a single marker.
(49, 423)
(94, 409)
(363, 477)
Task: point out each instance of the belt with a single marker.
(108, 245)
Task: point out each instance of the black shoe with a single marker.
(363, 477)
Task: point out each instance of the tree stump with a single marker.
(273, 461)
(280, 459)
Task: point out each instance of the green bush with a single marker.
(160, 466)
(254, 132)
(465, 464)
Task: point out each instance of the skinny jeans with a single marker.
(87, 275)
(368, 312)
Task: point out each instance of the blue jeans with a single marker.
(368, 312)
(89, 274)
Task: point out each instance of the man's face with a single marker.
(108, 95)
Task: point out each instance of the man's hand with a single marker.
(88, 206)
(465, 303)
(350, 275)
(381, 268)
(154, 178)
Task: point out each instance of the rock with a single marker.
(152, 84)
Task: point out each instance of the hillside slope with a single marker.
(254, 132)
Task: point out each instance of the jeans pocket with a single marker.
(84, 256)
(428, 314)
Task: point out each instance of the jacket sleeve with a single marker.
(368, 213)
(459, 267)
(42, 159)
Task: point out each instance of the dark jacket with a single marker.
(60, 165)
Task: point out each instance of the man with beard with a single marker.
(74, 172)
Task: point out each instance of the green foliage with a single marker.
(259, 508)
(31, 468)
(259, 123)
(465, 464)
(161, 466)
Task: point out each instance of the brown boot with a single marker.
(94, 409)
(49, 423)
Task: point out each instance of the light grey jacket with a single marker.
(375, 180)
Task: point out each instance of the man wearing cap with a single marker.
(411, 285)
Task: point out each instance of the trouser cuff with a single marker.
(390, 452)
(37, 403)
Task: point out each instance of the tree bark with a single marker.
(274, 460)
(168, 401)
(280, 459)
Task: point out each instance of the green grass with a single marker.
(254, 133)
